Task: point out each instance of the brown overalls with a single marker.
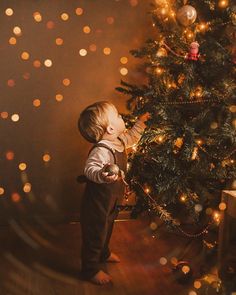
(98, 212)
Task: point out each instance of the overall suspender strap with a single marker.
(105, 146)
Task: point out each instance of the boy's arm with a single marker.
(133, 135)
(98, 157)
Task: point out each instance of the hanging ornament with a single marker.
(193, 51)
(186, 15)
(161, 52)
(182, 272)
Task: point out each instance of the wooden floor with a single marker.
(45, 260)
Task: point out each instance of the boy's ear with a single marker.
(110, 129)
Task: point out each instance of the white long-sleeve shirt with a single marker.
(100, 156)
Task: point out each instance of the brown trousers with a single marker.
(98, 212)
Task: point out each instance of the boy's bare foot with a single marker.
(101, 278)
(113, 258)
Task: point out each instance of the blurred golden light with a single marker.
(163, 11)
(37, 16)
(86, 29)
(153, 226)
(147, 190)
(107, 50)
(11, 83)
(48, 63)
(231, 161)
(124, 71)
(163, 261)
(124, 60)
(1, 190)
(25, 55)
(83, 52)
(37, 63)
(59, 41)
(216, 216)
(223, 3)
(234, 123)
(160, 138)
(10, 155)
(64, 16)
(26, 76)
(110, 20)
(15, 197)
(50, 24)
(202, 26)
(59, 97)
(222, 206)
(92, 47)
(192, 293)
(46, 158)
(185, 269)
(199, 141)
(190, 35)
(66, 82)
(9, 11)
(133, 2)
(12, 41)
(15, 117)
(197, 284)
(161, 52)
(27, 187)
(174, 260)
(36, 102)
(232, 108)
(183, 198)
(17, 31)
(159, 70)
(22, 166)
(79, 11)
(4, 115)
(214, 125)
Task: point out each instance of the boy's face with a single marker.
(115, 120)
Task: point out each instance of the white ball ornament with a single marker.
(186, 15)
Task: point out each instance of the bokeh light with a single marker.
(222, 206)
(37, 63)
(22, 166)
(83, 52)
(10, 155)
(64, 16)
(26, 76)
(15, 197)
(163, 261)
(59, 41)
(25, 55)
(48, 63)
(12, 41)
(36, 102)
(4, 115)
(133, 2)
(46, 158)
(59, 97)
(79, 11)
(9, 11)
(50, 25)
(124, 60)
(15, 117)
(197, 284)
(124, 71)
(37, 16)
(110, 20)
(174, 260)
(11, 83)
(86, 29)
(107, 50)
(17, 31)
(27, 187)
(66, 82)
(92, 47)
(1, 191)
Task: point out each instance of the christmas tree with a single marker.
(186, 156)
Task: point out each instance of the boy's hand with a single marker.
(145, 117)
(108, 178)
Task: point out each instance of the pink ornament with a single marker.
(193, 52)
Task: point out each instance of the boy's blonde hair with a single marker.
(93, 121)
